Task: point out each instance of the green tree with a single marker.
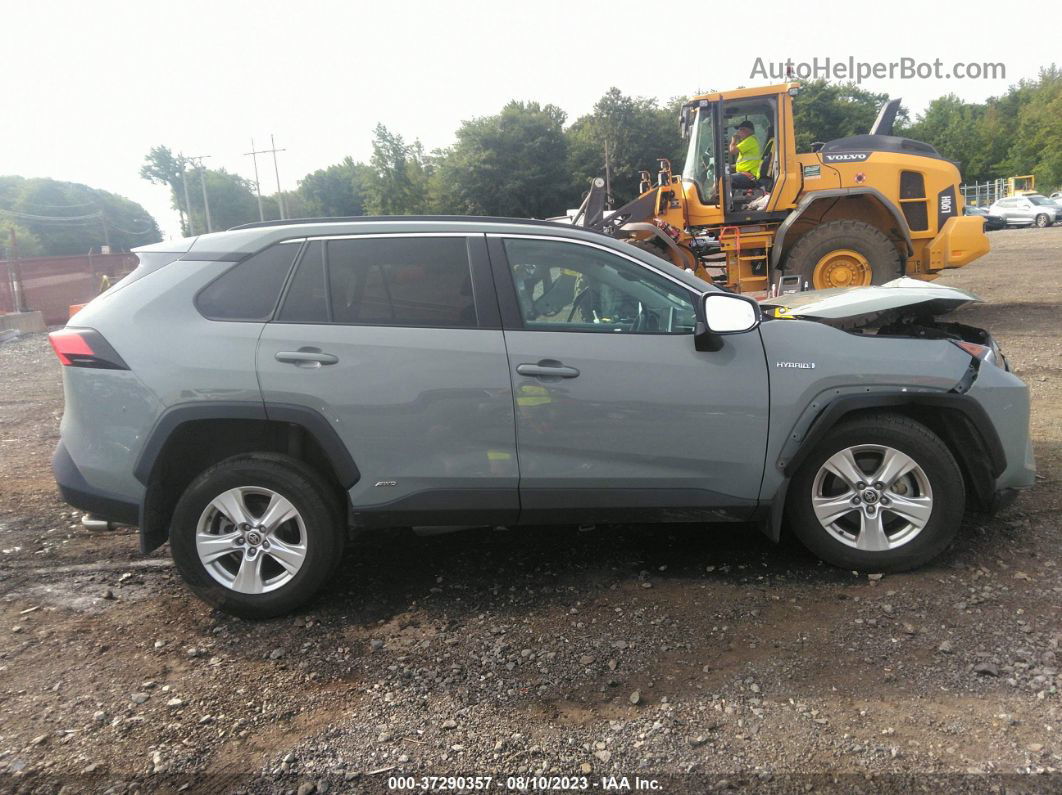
(399, 173)
(1036, 137)
(823, 111)
(636, 131)
(232, 198)
(337, 191)
(71, 218)
(163, 167)
(26, 244)
(512, 164)
(956, 129)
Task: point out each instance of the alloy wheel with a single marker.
(872, 497)
(251, 540)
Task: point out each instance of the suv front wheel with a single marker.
(256, 535)
(878, 493)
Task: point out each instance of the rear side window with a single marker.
(307, 299)
(390, 281)
(250, 289)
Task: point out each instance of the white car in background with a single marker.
(1030, 209)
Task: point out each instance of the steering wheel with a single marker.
(708, 162)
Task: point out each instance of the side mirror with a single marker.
(724, 313)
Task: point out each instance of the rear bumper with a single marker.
(79, 493)
(961, 241)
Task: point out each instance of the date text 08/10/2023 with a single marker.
(523, 783)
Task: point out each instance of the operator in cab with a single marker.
(745, 154)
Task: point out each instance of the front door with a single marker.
(395, 339)
(618, 415)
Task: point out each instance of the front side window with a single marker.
(384, 281)
(700, 166)
(572, 287)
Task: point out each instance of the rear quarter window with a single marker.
(250, 289)
(147, 262)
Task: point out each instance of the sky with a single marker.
(89, 87)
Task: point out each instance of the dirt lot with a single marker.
(702, 658)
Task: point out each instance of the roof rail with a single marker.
(372, 218)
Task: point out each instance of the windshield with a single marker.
(700, 158)
(1040, 200)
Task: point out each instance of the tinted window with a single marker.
(571, 287)
(393, 281)
(250, 289)
(307, 300)
(146, 262)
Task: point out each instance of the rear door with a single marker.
(396, 340)
(618, 415)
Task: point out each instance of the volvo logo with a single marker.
(845, 157)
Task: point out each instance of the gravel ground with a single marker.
(698, 658)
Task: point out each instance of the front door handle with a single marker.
(547, 369)
(306, 357)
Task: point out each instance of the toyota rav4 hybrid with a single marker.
(251, 396)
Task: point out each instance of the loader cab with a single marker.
(709, 125)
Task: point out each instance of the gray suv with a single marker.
(1027, 210)
(252, 395)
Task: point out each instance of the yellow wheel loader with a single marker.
(856, 211)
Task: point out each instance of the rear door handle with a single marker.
(547, 369)
(306, 357)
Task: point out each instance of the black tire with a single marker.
(1042, 220)
(857, 236)
(921, 445)
(318, 504)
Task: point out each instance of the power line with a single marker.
(117, 228)
(276, 170)
(61, 218)
(60, 206)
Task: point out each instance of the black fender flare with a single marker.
(312, 421)
(154, 518)
(836, 193)
(961, 416)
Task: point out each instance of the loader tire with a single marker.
(844, 254)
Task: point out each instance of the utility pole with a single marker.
(106, 232)
(16, 273)
(280, 195)
(257, 185)
(608, 177)
(202, 183)
(187, 202)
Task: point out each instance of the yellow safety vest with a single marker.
(749, 156)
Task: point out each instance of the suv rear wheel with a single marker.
(257, 535)
(879, 493)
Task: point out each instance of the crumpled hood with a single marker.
(854, 307)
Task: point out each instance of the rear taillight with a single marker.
(85, 347)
